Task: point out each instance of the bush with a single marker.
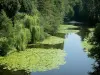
(22, 36)
(97, 33)
(37, 34)
(5, 31)
(95, 41)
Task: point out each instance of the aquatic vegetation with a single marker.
(91, 29)
(34, 60)
(86, 45)
(68, 29)
(53, 40)
(86, 42)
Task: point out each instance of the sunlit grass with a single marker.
(34, 60)
(53, 40)
(67, 29)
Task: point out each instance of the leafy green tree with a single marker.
(26, 6)
(11, 7)
(91, 8)
(52, 12)
(5, 30)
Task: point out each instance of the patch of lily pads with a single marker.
(35, 59)
(53, 40)
(68, 29)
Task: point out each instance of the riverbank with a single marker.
(37, 57)
(42, 55)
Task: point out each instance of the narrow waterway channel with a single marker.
(77, 61)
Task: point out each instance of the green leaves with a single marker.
(29, 21)
(26, 6)
(52, 12)
(11, 7)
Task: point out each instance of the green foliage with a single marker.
(31, 21)
(28, 21)
(95, 42)
(22, 36)
(33, 24)
(34, 60)
(52, 12)
(72, 9)
(19, 17)
(11, 7)
(5, 22)
(97, 33)
(3, 46)
(91, 10)
(5, 31)
(26, 6)
(17, 37)
(35, 34)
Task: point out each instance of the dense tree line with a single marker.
(92, 8)
(27, 21)
(88, 11)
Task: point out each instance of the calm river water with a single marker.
(77, 61)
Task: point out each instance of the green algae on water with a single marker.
(34, 60)
(52, 40)
(68, 29)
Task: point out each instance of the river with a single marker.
(77, 61)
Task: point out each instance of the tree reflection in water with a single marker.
(8, 72)
(96, 68)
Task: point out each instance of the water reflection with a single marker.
(78, 63)
(84, 31)
(8, 72)
(47, 46)
(77, 60)
(96, 68)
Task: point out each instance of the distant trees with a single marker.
(52, 11)
(73, 9)
(91, 9)
(83, 10)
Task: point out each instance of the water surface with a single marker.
(78, 63)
